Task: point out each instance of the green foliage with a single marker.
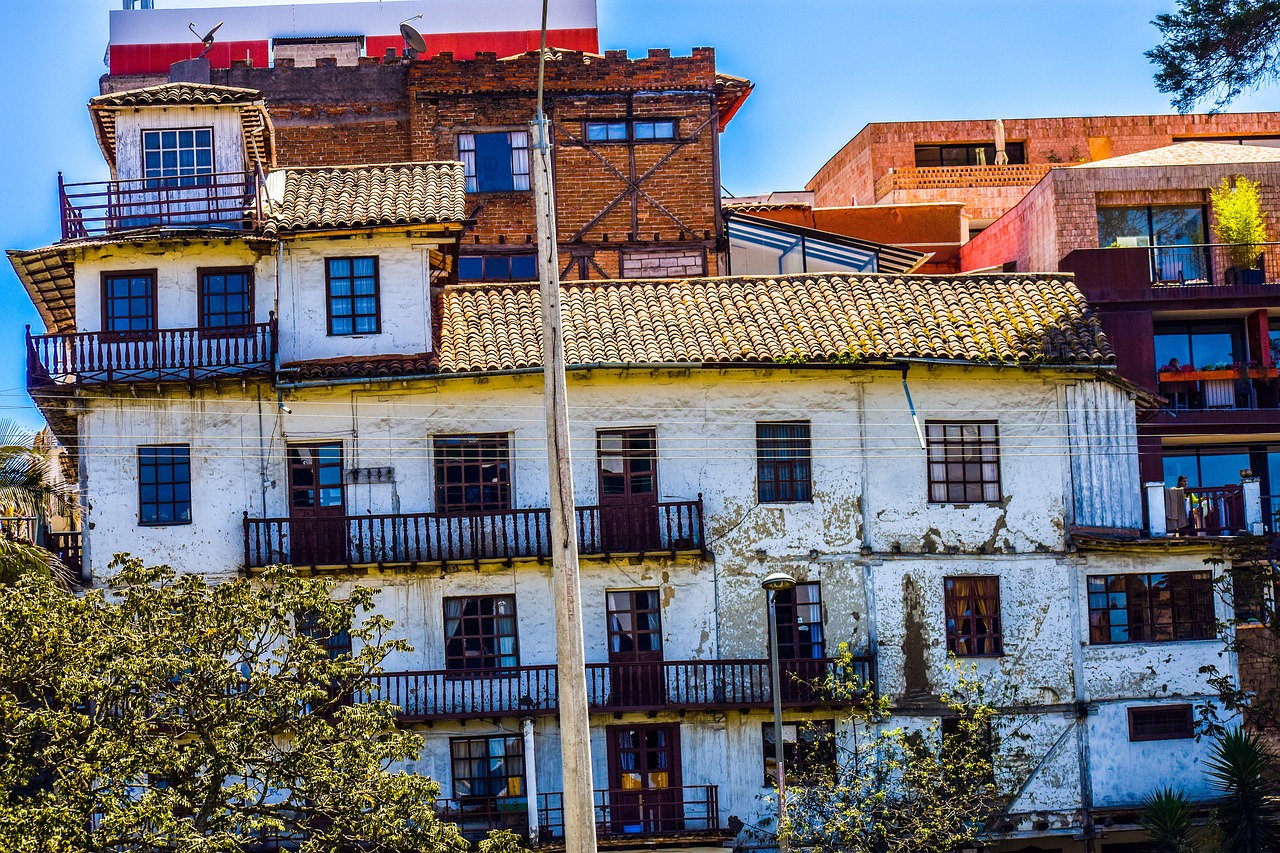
(502, 841)
(1216, 48)
(1167, 816)
(29, 487)
(184, 716)
(1237, 210)
(894, 790)
(1238, 766)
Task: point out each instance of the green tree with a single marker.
(1216, 49)
(28, 487)
(184, 716)
(1167, 817)
(1238, 219)
(1238, 767)
(898, 790)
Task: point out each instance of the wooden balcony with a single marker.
(230, 200)
(629, 815)
(1217, 511)
(434, 539)
(613, 688)
(66, 545)
(165, 355)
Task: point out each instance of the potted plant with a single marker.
(1238, 222)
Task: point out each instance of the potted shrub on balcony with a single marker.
(1238, 222)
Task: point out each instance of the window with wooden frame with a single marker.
(129, 301)
(164, 485)
(634, 623)
(520, 266)
(973, 616)
(629, 130)
(351, 296)
(226, 297)
(784, 470)
(480, 633)
(495, 162)
(181, 157)
(1161, 722)
(964, 461)
(473, 472)
(491, 768)
(809, 748)
(1151, 608)
(800, 629)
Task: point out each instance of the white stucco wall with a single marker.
(228, 136)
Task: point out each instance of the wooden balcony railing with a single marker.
(613, 687)
(435, 538)
(961, 177)
(163, 355)
(218, 200)
(641, 813)
(68, 547)
(1216, 511)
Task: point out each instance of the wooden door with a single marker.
(317, 505)
(636, 677)
(645, 797)
(801, 641)
(628, 490)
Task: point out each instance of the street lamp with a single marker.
(774, 583)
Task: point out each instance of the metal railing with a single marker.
(186, 355)
(642, 812)
(216, 200)
(477, 816)
(615, 687)
(437, 538)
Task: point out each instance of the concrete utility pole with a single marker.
(571, 674)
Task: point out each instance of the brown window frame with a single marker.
(328, 297)
(964, 637)
(476, 443)
(819, 751)
(631, 122)
(653, 622)
(201, 294)
(784, 454)
(789, 622)
(1197, 591)
(940, 455)
(1158, 727)
(490, 657)
(470, 762)
(152, 274)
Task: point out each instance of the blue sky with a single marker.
(822, 68)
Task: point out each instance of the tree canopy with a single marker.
(1216, 49)
(167, 714)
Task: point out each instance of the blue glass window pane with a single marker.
(524, 267)
(470, 268)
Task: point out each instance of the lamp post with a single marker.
(774, 583)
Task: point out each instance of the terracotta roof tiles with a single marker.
(177, 94)
(304, 199)
(990, 319)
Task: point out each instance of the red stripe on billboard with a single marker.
(156, 58)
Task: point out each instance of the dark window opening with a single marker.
(480, 633)
(1164, 722)
(973, 616)
(495, 162)
(964, 462)
(784, 462)
(473, 473)
(1151, 608)
(164, 485)
(808, 750)
(226, 298)
(351, 285)
(129, 302)
(969, 154)
(521, 267)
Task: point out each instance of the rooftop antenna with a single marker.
(414, 43)
(206, 39)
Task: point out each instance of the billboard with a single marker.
(148, 41)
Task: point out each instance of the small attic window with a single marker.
(177, 158)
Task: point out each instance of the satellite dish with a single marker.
(207, 38)
(414, 43)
